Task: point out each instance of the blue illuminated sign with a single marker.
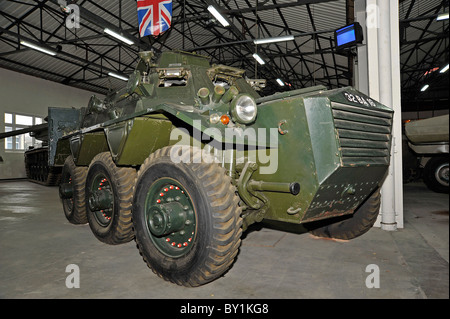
(348, 36)
(345, 35)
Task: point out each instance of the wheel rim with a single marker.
(101, 199)
(442, 173)
(170, 217)
(68, 201)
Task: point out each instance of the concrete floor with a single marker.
(37, 243)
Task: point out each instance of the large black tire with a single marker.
(216, 224)
(349, 227)
(113, 225)
(435, 174)
(74, 207)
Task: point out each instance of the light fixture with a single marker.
(444, 69)
(225, 119)
(118, 76)
(218, 16)
(424, 88)
(38, 48)
(243, 109)
(258, 58)
(118, 36)
(442, 16)
(280, 82)
(272, 40)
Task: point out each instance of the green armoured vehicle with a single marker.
(188, 155)
(41, 164)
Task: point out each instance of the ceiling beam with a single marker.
(275, 6)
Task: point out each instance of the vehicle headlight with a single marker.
(243, 109)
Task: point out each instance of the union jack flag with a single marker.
(155, 16)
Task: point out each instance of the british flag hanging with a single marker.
(154, 16)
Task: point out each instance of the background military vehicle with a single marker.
(428, 139)
(188, 155)
(41, 164)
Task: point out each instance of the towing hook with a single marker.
(280, 130)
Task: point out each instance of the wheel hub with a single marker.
(170, 218)
(66, 193)
(66, 190)
(167, 218)
(442, 174)
(101, 200)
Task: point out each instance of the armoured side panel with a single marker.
(292, 156)
(84, 147)
(62, 151)
(131, 142)
(60, 121)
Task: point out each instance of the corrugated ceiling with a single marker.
(87, 54)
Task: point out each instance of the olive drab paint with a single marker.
(334, 144)
(297, 157)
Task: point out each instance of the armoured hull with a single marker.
(336, 146)
(428, 139)
(432, 130)
(188, 155)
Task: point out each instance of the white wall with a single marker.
(30, 95)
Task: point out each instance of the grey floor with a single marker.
(37, 244)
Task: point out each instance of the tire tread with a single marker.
(225, 211)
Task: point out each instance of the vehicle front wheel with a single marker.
(186, 217)
(435, 174)
(349, 227)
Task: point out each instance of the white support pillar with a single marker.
(381, 64)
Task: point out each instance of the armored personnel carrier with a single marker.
(188, 155)
(428, 139)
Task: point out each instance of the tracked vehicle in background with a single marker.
(42, 166)
(188, 155)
